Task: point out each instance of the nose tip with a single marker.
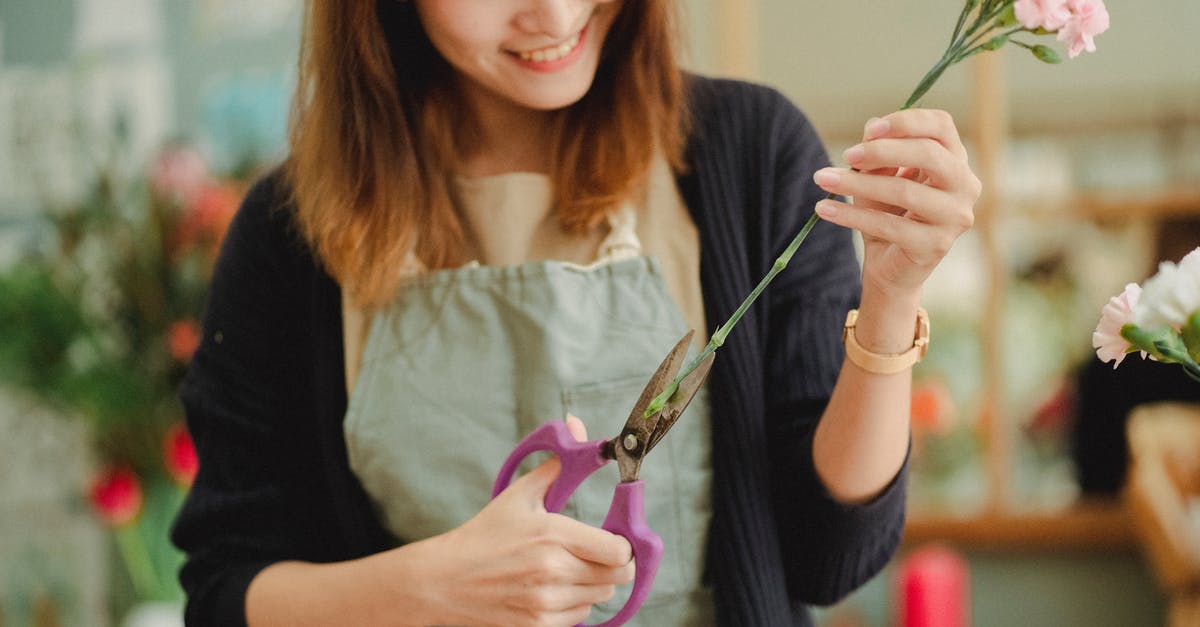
(554, 18)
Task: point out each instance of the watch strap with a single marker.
(886, 363)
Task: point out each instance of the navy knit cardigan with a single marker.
(265, 394)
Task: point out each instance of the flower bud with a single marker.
(1007, 17)
(1046, 54)
(995, 43)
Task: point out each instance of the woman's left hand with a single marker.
(914, 194)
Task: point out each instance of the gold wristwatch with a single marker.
(886, 363)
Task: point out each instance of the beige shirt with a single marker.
(509, 220)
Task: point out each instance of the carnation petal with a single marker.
(1116, 313)
(1169, 296)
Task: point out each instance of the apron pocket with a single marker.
(604, 407)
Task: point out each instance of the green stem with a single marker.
(962, 45)
(987, 17)
(962, 20)
(977, 45)
(928, 80)
(949, 57)
(718, 336)
(1192, 370)
(137, 560)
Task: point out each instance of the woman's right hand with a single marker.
(514, 563)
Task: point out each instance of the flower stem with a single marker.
(137, 560)
(719, 335)
(962, 20)
(953, 54)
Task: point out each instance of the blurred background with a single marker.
(130, 128)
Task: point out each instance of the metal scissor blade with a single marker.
(635, 439)
(658, 382)
(679, 401)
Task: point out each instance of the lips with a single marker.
(553, 57)
(552, 53)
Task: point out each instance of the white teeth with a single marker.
(551, 54)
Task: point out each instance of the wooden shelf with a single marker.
(1120, 205)
(1089, 526)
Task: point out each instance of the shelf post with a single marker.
(737, 38)
(990, 127)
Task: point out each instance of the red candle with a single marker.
(933, 589)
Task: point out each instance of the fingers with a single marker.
(911, 164)
(899, 195)
(923, 244)
(931, 123)
(576, 427)
(563, 604)
(593, 544)
(941, 167)
(533, 486)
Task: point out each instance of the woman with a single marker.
(360, 379)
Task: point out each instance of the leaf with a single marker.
(1150, 341)
(1190, 332)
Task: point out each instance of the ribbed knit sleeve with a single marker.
(830, 547)
(270, 485)
(779, 540)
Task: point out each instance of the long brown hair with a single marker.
(373, 140)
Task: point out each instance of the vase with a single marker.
(154, 614)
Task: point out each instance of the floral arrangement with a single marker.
(1161, 319)
(99, 320)
(982, 26)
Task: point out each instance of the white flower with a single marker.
(1117, 313)
(1170, 296)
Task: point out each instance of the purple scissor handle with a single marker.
(626, 514)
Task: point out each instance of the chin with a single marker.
(559, 98)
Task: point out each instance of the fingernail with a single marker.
(827, 177)
(877, 127)
(854, 154)
(826, 209)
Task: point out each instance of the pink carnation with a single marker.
(1048, 14)
(178, 175)
(1117, 313)
(1088, 19)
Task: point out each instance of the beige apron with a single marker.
(464, 363)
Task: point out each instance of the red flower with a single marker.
(116, 495)
(1054, 411)
(207, 218)
(179, 454)
(932, 407)
(183, 338)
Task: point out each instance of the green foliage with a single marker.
(38, 325)
(86, 321)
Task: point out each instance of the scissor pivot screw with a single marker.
(630, 442)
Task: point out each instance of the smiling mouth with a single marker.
(552, 53)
